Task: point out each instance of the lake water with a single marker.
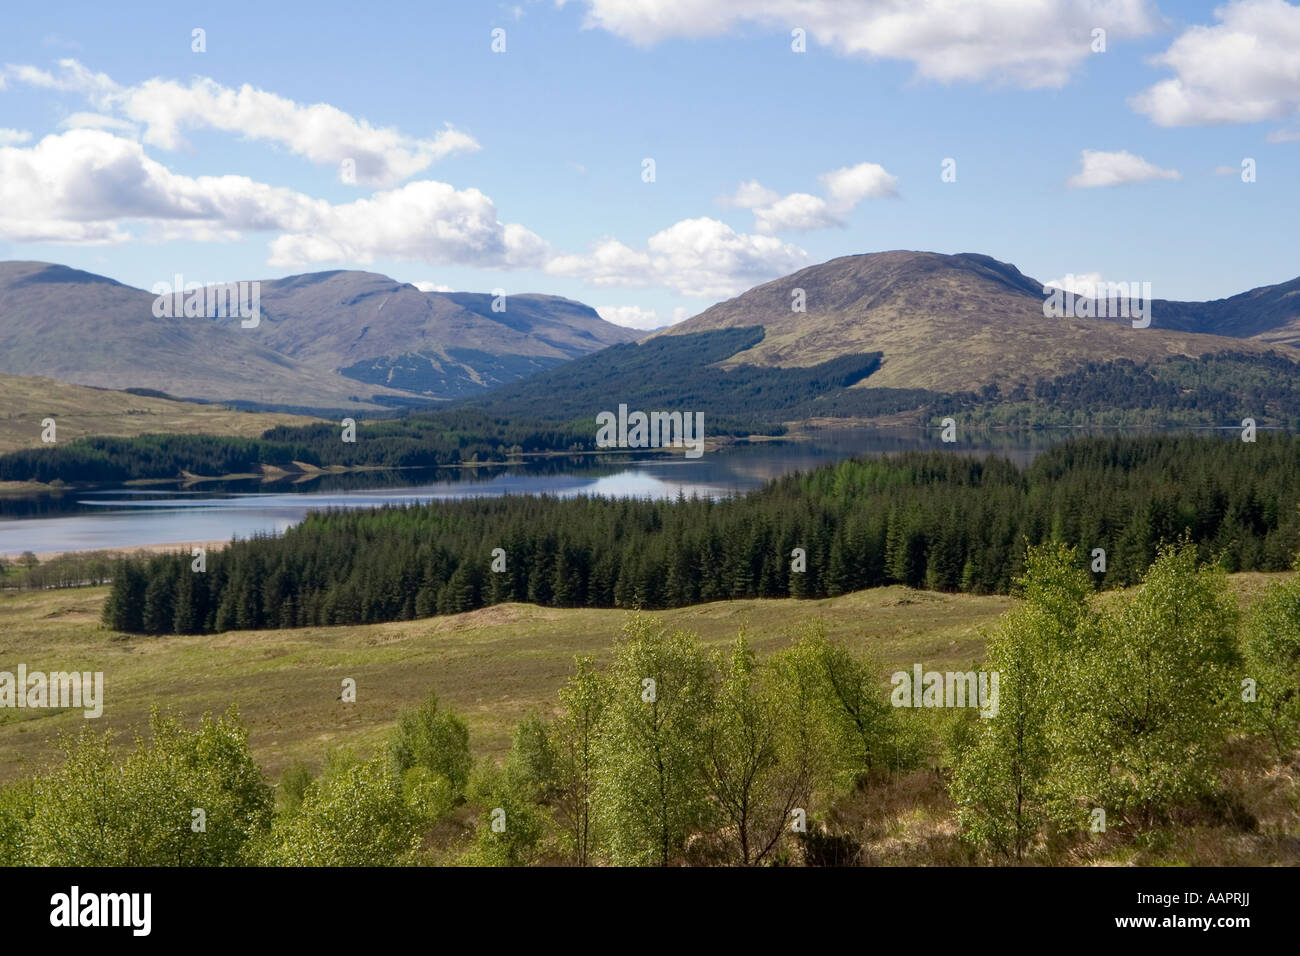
(108, 518)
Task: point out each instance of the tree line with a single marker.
(937, 520)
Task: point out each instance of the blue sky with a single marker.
(125, 152)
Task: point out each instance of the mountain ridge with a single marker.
(339, 339)
(960, 322)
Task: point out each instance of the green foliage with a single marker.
(1157, 690)
(650, 747)
(862, 729)
(354, 814)
(1123, 708)
(292, 787)
(939, 518)
(763, 749)
(1180, 390)
(436, 739)
(96, 811)
(533, 765)
(1272, 650)
(17, 807)
(1003, 783)
(510, 828)
(575, 735)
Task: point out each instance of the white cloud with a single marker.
(697, 257)
(797, 212)
(803, 212)
(319, 132)
(98, 121)
(85, 185)
(1085, 283)
(422, 221)
(1099, 168)
(1244, 69)
(71, 78)
(630, 316)
(750, 195)
(432, 287)
(849, 186)
(11, 137)
(1031, 43)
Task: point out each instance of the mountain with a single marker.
(955, 323)
(325, 341)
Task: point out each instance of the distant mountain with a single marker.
(327, 340)
(910, 336)
(949, 323)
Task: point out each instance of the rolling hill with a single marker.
(326, 341)
(81, 410)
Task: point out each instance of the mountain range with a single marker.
(325, 341)
(885, 332)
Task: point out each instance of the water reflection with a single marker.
(180, 512)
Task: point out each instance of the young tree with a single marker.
(96, 811)
(434, 738)
(1272, 648)
(1158, 690)
(650, 753)
(761, 753)
(1003, 780)
(355, 814)
(582, 702)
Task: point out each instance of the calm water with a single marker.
(164, 514)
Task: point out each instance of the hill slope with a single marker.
(81, 411)
(957, 323)
(325, 341)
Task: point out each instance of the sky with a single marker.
(652, 157)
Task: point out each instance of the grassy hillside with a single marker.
(493, 665)
(82, 411)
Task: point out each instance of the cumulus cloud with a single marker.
(426, 286)
(1034, 44)
(11, 137)
(1244, 69)
(630, 316)
(697, 257)
(797, 212)
(424, 221)
(98, 121)
(1085, 283)
(750, 195)
(165, 109)
(803, 212)
(1099, 168)
(84, 185)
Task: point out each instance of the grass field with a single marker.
(81, 411)
(494, 664)
(499, 663)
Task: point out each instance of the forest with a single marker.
(938, 520)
